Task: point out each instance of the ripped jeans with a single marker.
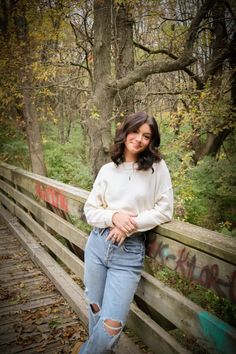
(111, 277)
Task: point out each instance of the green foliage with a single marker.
(80, 224)
(67, 162)
(205, 194)
(213, 191)
(13, 146)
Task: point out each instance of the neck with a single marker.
(129, 157)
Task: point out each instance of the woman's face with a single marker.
(137, 141)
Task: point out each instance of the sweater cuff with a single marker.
(109, 216)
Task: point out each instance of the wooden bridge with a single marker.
(42, 302)
(34, 316)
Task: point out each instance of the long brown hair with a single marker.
(130, 124)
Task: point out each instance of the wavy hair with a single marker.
(131, 123)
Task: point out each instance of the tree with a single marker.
(124, 55)
(106, 88)
(19, 47)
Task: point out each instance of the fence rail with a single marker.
(196, 253)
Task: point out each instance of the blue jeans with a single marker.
(111, 277)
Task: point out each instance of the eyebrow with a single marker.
(146, 133)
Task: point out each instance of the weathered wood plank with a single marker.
(208, 241)
(10, 205)
(61, 226)
(68, 198)
(70, 259)
(13, 309)
(154, 336)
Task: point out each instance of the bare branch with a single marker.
(176, 19)
(140, 73)
(173, 93)
(200, 84)
(155, 51)
(52, 84)
(80, 65)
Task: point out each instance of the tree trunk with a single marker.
(124, 57)
(214, 142)
(99, 110)
(212, 145)
(33, 134)
(27, 77)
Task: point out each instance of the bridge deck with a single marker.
(34, 317)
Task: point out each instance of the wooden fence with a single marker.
(196, 253)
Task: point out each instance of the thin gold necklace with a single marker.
(132, 172)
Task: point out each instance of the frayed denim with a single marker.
(111, 277)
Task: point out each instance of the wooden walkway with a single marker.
(34, 317)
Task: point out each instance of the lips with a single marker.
(136, 146)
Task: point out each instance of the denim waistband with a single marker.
(136, 236)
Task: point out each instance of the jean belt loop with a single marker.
(102, 230)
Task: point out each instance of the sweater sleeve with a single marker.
(163, 209)
(95, 208)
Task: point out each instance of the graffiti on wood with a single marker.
(186, 264)
(52, 196)
(216, 333)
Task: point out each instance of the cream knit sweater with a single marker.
(148, 194)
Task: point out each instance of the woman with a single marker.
(130, 195)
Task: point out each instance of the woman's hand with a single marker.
(125, 221)
(116, 235)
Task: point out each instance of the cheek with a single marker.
(129, 138)
(147, 143)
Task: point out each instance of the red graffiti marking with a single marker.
(52, 196)
(152, 248)
(182, 261)
(159, 249)
(209, 277)
(186, 265)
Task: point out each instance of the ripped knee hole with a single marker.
(112, 327)
(95, 308)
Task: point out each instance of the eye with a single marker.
(147, 137)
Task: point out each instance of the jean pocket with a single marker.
(133, 246)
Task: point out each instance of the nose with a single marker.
(139, 137)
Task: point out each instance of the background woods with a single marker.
(69, 72)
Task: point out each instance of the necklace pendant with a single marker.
(129, 178)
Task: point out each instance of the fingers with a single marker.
(129, 227)
(122, 239)
(116, 235)
(125, 221)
